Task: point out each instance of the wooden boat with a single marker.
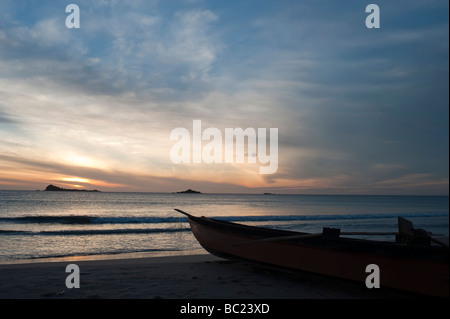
(417, 266)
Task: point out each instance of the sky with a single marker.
(358, 110)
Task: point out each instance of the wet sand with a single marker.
(175, 277)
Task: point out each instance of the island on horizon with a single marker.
(189, 191)
(53, 188)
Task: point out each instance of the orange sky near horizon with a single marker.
(215, 178)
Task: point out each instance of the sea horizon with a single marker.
(230, 193)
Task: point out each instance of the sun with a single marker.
(76, 179)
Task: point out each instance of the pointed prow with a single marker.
(184, 213)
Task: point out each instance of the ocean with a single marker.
(39, 225)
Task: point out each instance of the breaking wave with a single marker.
(85, 219)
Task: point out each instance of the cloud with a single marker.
(7, 119)
(193, 39)
(125, 48)
(419, 182)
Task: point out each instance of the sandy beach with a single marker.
(174, 277)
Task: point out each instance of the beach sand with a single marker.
(174, 277)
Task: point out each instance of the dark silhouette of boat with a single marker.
(412, 263)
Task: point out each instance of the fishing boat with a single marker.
(416, 262)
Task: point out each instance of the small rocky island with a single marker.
(189, 191)
(52, 188)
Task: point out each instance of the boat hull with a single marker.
(343, 258)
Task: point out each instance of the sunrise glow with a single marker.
(75, 179)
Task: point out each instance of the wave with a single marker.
(103, 253)
(12, 232)
(80, 232)
(176, 224)
(85, 219)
